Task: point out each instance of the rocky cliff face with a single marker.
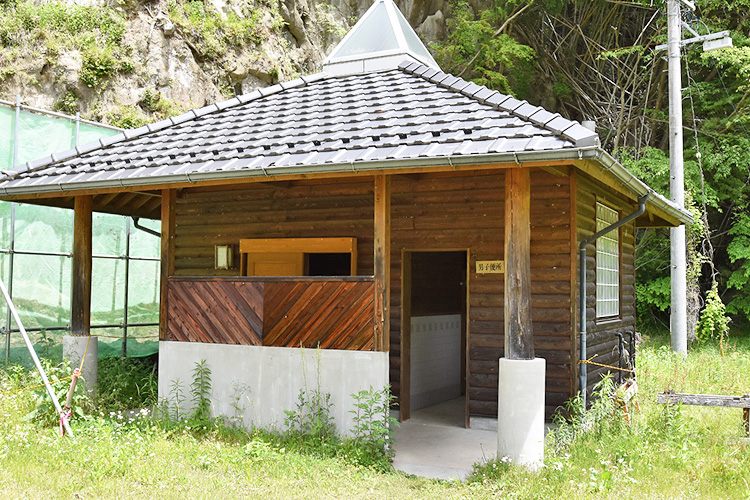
(142, 60)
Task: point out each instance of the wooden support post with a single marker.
(80, 314)
(168, 198)
(519, 341)
(404, 396)
(382, 230)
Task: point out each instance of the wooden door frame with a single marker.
(405, 365)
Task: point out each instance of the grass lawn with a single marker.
(687, 452)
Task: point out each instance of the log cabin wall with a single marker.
(298, 209)
(601, 338)
(457, 211)
(442, 211)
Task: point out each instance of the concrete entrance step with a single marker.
(435, 444)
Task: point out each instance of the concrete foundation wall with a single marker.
(435, 359)
(256, 385)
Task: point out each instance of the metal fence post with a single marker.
(78, 127)
(127, 287)
(16, 130)
(11, 250)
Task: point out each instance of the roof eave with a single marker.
(637, 187)
(313, 169)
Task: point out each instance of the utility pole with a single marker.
(678, 253)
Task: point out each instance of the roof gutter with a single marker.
(639, 188)
(611, 165)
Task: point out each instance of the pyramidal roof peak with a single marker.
(381, 40)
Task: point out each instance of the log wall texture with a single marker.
(461, 211)
(601, 338)
(296, 209)
(465, 211)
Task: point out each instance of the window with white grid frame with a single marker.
(607, 264)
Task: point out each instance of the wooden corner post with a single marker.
(519, 341)
(168, 198)
(382, 229)
(80, 313)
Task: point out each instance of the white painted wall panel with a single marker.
(264, 382)
(435, 359)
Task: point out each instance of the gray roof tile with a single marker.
(525, 110)
(314, 77)
(228, 103)
(106, 141)
(471, 89)
(484, 93)
(249, 97)
(183, 117)
(559, 124)
(581, 136)
(205, 110)
(315, 121)
(510, 104)
(542, 116)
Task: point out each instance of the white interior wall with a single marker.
(435, 359)
(258, 384)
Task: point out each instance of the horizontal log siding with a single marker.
(466, 211)
(298, 209)
(601, 340)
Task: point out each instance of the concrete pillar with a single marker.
(520, 416)
(74, 348)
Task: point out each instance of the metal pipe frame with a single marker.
(11, 251)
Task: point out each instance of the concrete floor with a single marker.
(434, 443)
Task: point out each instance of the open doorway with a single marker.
(433, 364)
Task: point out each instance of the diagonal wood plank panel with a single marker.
(332, 315)
(216, 311)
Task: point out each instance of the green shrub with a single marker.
(153, 102)
(99, 64)
(126, 383)
(374, 426)
(714, 322)
(43, 411)
(68, 103)
(312, 416)
(200, 392)
(212, 35)
(127, 117)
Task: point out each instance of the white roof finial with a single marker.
(380, 40)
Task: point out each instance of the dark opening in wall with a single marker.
(329, 264)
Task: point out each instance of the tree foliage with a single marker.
(596, 60)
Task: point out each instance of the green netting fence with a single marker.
(28, 133)
(36, 245)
